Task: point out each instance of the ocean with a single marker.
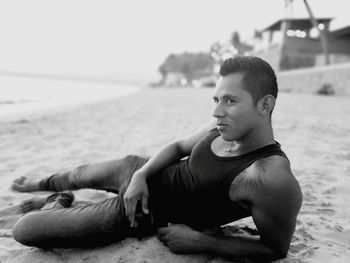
(21, 97)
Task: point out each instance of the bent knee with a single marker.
(25, 231)
(131, 157)
(135, 161)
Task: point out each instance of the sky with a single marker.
(130, 37)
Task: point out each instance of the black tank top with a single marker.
(195, 191)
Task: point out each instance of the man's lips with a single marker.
(221, 124)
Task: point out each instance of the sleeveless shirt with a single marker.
(195, 190)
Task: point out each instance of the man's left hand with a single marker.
(181, 238)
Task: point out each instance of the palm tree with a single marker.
(322, 34)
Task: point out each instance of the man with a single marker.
(230, 169)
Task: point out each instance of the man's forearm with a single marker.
(167, 155)
(249, 247)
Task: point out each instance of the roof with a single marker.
(344, 31)
(296, 23)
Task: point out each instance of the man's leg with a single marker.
(110, 176)
(88, 226)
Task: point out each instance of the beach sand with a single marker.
(313, 131)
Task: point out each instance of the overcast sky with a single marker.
(131, 36)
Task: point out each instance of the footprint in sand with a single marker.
(2, 223)
(309, 196)
(342, 236)
(320, 212)
(12, 210)
(331, 191)
(309, 204)
(5, 233)
(7, 198)
(90, 259)
(324, 205)
(301, 245)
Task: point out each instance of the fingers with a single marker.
(164, 236)
(17, 184)
(20, 180)
(130, 207)
(145, 204)
(26, 206)
(162, 231)
(133, 210)
(136, 192)
(132, 216)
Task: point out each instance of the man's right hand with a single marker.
(136, 191)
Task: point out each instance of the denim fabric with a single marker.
(109, 176)
(86, 226)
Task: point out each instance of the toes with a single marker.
(20, 180)
(26, 209)
(18, 183)
(26, 206)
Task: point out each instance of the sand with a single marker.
(313, 130)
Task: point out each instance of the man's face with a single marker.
(237, 116)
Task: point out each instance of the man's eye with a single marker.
(216, 101)
(229, 101)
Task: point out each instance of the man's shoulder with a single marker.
(274, 170)
(270, 176)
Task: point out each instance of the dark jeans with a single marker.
(86, 226)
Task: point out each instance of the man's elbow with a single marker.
(272, 256)
(278, 251)
(281, 252)
(182, 149)
(279, 245)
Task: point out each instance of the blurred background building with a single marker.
(295, 43)
(305, 53)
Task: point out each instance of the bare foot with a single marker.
(34, 203)
(25, 184)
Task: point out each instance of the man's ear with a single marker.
(266, 104)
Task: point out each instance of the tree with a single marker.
(321, 32)
(190, 65)
(313, 21)
(240, 47)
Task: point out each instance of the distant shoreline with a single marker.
(23, 98)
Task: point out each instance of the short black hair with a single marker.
(259, 78)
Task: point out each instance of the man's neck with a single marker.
(254, 140)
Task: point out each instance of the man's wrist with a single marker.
(206, 242)
(141, 174)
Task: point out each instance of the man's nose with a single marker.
(218, 111)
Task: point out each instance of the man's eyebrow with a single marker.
(227, 96)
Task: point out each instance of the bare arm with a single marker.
(185, 240)
(137, 189)
(275, 199)
(174, 152)
(271, 244)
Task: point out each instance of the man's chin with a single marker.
(227, 136)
